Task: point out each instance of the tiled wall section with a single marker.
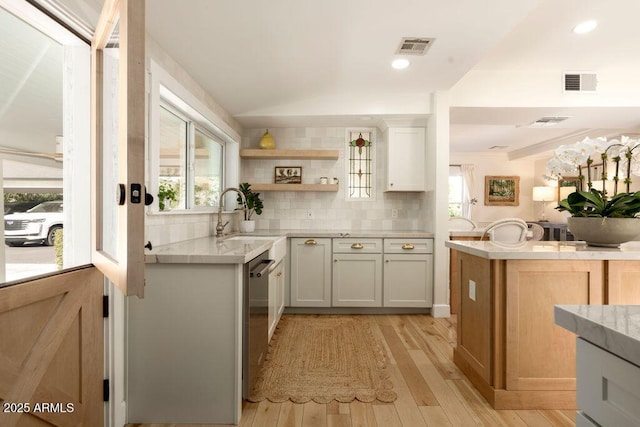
(288, 210)
(162, 229)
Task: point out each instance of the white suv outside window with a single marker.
(39, 223)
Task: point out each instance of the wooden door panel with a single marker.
(541, 355)
(51, 351)
(474, 319)
(623, 285)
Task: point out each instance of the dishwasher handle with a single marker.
(261, 268)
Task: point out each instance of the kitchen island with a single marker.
(507, 342)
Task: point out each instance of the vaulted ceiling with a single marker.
(292, 63)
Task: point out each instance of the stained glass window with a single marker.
(360, 165)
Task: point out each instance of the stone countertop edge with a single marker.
(207, 250)
(400, 234)
(212, 250)
(615, 328)
(478, 232)
(545, 250)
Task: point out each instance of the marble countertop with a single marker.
(208, 250)
(545, 250)
(615, 328)
(225, 250)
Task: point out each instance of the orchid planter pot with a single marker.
(604, 231)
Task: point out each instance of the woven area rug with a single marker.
(323, 358)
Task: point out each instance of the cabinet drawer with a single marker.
(583, 421)
(361, 246)
(608, 386)
(408, 246)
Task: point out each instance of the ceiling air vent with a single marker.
(414, 46)
(580, 82)
(549, 121)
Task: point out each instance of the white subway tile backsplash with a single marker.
(288, 210)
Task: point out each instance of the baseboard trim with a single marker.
(441, 310)
(355, 310)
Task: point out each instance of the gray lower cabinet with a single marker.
(184, 345)
(367, 272)
(608, 388)
(310, 272)
(408, 273)
(357, 273)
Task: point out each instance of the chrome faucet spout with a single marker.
(220, 226)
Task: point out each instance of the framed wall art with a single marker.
(288, 175)
(566, 185)
(501, 190)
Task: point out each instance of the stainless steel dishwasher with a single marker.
(255, 331)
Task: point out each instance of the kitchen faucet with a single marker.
(220, 226)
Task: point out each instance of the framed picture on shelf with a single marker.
(501, 190)
(288, 175)
(567, 185)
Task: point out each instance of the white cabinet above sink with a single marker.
(406, 159)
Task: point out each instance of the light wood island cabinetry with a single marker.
(508, 344)
(454, 281)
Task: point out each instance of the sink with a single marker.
(277, 251)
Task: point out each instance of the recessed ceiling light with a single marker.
(585, 27)
(400, 63)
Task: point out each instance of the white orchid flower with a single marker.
(567, 159)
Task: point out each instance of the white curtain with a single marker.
(468, 172)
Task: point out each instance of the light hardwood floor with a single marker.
(431, 390)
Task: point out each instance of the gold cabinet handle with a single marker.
(387, 261)
(335, 260)
(408, 246)
(310, 242)
(279, 275)
(357, 246)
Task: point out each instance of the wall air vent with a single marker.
(414, 46)
(580, 82)
(548, 121)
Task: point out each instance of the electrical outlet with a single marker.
(472, 290)
(309, 214)
(394, 213)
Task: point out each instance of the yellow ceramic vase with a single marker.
(267, 142)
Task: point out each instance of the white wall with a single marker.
(497, 165)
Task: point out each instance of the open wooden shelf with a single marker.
(294, 187)
(290, 154)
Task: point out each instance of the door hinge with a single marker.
(105, 306)
(105, 390)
